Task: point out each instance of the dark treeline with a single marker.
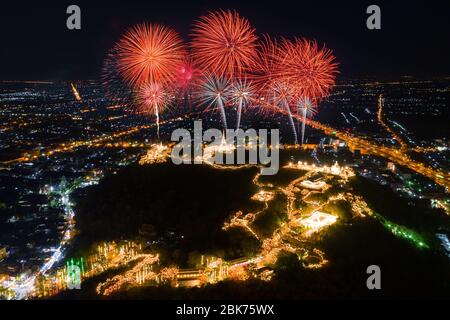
(183, 206)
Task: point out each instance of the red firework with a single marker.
(188, 74)
(150, 53)
(224, 43)
(188, 77)
(310, 70)
(290, 71)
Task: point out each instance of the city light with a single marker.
(317, 221)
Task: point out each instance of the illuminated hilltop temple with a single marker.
(158, 153)
(316, 185)
(335, 169)
(210, 151)
(316, 221)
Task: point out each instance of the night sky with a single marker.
(414, 39)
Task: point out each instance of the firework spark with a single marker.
(224, 43)
(227, 67)
(150, 53)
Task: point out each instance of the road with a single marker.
(395, 155)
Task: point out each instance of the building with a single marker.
(317, 220)
(391, 166)
(317, 185)
(189, 277)
(335, 169)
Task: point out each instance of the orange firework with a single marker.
(150, 53)
(224, 43)
(310, 70)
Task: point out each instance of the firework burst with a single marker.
(294, 74)
(227, 67)
(150, 53)
(224, 43)
(307, 107)
(310, 70)
(215, 92)
(152, 98)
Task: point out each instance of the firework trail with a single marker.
(281, 94)
(291, 120)
(242, 92)
(214, 91)
(224, 43)
(153, 98)
(150, 53)
(307, 109)
(266, 64)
